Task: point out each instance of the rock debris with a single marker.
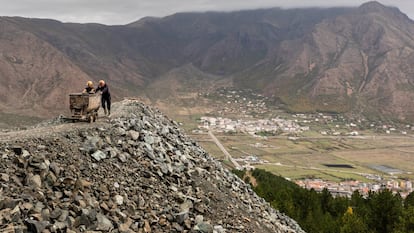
(137, 172)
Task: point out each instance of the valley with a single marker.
(342, 152)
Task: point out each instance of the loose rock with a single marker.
(135, 172)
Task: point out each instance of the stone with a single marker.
(18, 150)
(147, 227)
(91, 144)
(177, 227)
(119, 200)
(45, 214)
(39, 206)
(55, 213)
(103, 223)
(55, 168)
(199, 219)
(63, 216)
(181, 217)
(124, 227)
(163, 221)
(133, 134)
(25, 154)
(26, 206)
(123, 157)
(149, 139)
(203, 227)
(165, 131)
(121, 131)
(82, 183)
(35, 181)
(59, 227)
(8, 203)
(4, 177)
(36, 226)
(98, 155)
(219, 229)
(186, 206)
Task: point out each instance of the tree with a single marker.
(352, 223)
(385, 211)
(409, 200)
(406, 221)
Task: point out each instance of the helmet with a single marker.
(89, 84)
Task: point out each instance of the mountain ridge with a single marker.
(336, 59)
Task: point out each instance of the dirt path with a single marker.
(54, 126)
(49, 128)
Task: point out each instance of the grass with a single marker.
(295, 173)
(314, 152)
(304, 154)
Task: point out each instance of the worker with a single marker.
(106, 97)
(89, 88)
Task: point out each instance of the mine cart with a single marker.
(84, 106)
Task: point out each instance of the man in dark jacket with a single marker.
(106, 97)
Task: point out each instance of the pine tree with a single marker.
(352, 223)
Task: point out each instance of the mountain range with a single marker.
(317, 59)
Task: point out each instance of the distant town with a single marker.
(346, 188)
(252, 114)
(252, 127)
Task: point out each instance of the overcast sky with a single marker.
(125, 11)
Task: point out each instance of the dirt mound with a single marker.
(136, 172)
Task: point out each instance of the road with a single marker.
(225, 152)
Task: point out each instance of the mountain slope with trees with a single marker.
(379, 212)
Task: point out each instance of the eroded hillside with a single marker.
(135, 172)
(355, 60)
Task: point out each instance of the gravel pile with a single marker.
(136, 173)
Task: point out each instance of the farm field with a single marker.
(307, 158)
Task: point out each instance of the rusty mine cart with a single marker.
(84, 106)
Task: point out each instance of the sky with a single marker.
(113, 12)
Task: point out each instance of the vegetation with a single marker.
(379, 212)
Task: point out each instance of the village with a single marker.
(346, 188)
(247, 111)
(272, 126)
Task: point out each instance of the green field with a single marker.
(302, 157)
(305, 158)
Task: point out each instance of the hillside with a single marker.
(335, 60)
(358, 61)
(134, 173)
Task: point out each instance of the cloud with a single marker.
(126, 11)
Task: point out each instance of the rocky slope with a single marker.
(359, 61)
(35, 76)
(338, 59)
(136, 172)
